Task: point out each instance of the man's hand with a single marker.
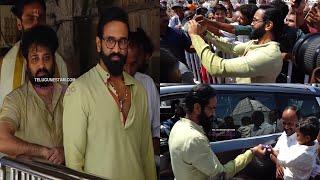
(314, 17)
(195, 28)
(259, 150)
(200, 19)
(279, 172)
(57, 156)
(45, 153)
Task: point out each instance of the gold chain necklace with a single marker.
(121, 100)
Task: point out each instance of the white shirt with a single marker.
(153, 102)
(298, 161)
(284, 142)
(174, 21)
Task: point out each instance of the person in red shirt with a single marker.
(191, 6)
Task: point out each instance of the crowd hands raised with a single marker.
(235, 29)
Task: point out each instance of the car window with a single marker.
(246, 114)
(306, 104)
(234, 111)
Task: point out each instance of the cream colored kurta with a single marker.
(192, 157)
(13, 68)
(95, 139)
(33, 122)
(256, 64)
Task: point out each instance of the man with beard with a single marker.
(31, 115)
(190, 152)
(105, 121)
(29, 13)
(260, 59)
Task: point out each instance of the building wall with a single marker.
(75, 22)
(8, 27)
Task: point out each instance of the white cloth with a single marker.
(298, 161)
(153, 102)
(174, 21)
(284, 142)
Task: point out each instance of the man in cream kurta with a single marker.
(260, 59)
(29, 14)
(190, 151)
(33, 122)
(95, 138)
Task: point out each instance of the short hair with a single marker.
(248, 10)
(257, 117)
(272, 14)
(39, 35)
(309, 127)
(163, 8)
(294, 108)
(144, 40)
(274, 115)
(17, 9)
(112, 14)
(282, 6)
(201, 94)
(219, 7)
(168, 62)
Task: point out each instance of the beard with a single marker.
(47, 74)
(115, 67)
(207, 123)
(257, 33)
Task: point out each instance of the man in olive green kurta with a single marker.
(259, 60)
(190, 151)
(105, 121)
(31, 115)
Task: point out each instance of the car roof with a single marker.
(267, 88)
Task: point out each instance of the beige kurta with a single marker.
(192, 157)
(34, 123)
(257, 63)
(96, 140)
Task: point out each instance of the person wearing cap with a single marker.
(176, 20)
(29, 13)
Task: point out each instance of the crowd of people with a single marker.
(234, 42)
(106, 122)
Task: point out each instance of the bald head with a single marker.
(289, 120)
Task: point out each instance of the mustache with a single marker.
(116, 54)
(44, 70)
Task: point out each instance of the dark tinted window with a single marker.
(234, 111)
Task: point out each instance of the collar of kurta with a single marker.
(193, 125)
(128, 80)
(57, 92)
